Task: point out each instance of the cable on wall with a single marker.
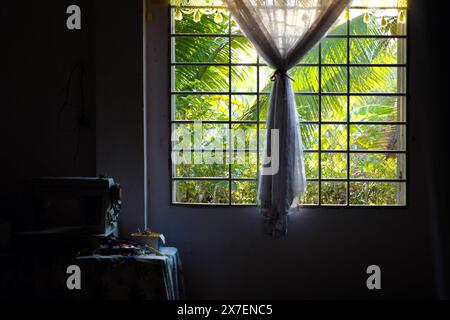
(67, 104)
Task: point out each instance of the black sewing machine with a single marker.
(69, 215)
(90, 206)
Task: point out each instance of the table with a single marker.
(153, 277)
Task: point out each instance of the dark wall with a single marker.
(120, 104)
(39, 136)
(100, 131)
(327, 250)
(429, 85)
(224, 252)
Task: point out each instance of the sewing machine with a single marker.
(89, 205)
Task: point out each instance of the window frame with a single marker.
(348, 94)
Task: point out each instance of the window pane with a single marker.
(312, 57)
(182, 137)
(334, 79)
(374, 26)
(243, 107)
(340, 28)
(310, 136)
(263, 107)
(307, 107)
(207, 42)
(378, 137)
(206, 24)
(242, 51)
(244, 192)
(208, 192)
(334, 51)
(377, 108)
(378, 51)
(243, 79)
(380, 3)
(311, 160)
(201, 78)
(334, 108)
(306, 79)
(200, 136)
(262, 139)
(265, 84)
(200, 49)
(377, 166)
(334, 165)
(234, 27)
(200, 164)
(334, 193)
(377, 193)
(200, 107)
(334, 137)
(378, 79)
(244, 165)
(311, 195)
(244, 136)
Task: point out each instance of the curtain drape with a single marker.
(283, 32)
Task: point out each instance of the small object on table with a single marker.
(149, 239)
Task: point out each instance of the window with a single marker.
(351, 100)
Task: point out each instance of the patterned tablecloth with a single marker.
(132, 277)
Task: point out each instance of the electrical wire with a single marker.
(81, 119)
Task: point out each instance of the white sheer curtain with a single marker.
(283, 32)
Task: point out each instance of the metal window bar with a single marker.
(348, 123)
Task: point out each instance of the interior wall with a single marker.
(327, 250)
(120, 104)
(224, 252)
(39, 136)
(428, 91)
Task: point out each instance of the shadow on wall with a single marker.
(48, 121)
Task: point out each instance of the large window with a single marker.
(351, 100)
